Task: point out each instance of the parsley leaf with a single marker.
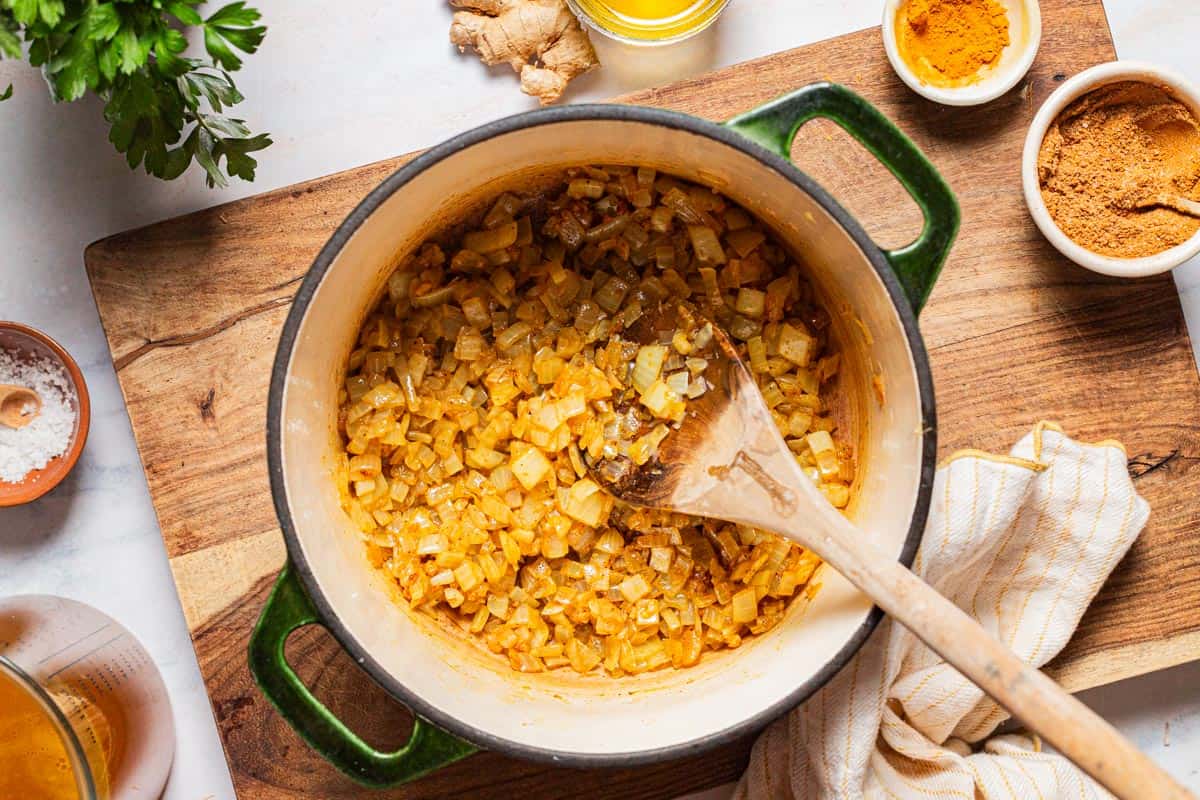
(183, 11)
(28, 12)
(10, 45)
(73, 69)
(165, 111)
(229, 28)
(101, 22)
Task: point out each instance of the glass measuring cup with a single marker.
(71, 672)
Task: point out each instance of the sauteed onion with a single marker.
(500, 358)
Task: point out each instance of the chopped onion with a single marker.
(584, 187)
(664, 256)
(513, 334)
(645, 447)
(629, 315)
(398, 285)
(469, 345)
(745, 605)
(468, 261)
(634, 588)
(750, 302)
(736, 219)
(682, 205)
(678, 382)
(503, 211)
(607, 230)
(745, 240)
(486, 241)
(433, 297)
(477, 313)
(697, 388)
(612, 294)
(647, 366)
(662, 401)
(823, 450)
(706, 245)
(660, 219)
(433, 543)
(744, 328)
(796, 345)
(757, 350)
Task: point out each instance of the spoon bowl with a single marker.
(19, 406)
(726, 437)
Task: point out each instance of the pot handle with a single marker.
(775, 124)
(287, 609)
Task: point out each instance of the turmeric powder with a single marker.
(949, 43)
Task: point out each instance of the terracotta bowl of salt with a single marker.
(41, 360)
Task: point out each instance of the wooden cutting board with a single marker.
(193, 307)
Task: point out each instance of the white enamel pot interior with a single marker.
(559, 716)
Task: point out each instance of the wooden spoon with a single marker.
(1182, 204)
(15, 405)
(1175, 202)
(727, 460)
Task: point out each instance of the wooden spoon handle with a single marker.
(1074, 729)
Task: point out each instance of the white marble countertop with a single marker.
(336, 90)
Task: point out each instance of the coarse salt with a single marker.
(23, 450)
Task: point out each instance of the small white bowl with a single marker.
(1071, 90)
(1025, 34)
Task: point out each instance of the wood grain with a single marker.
(193, 307)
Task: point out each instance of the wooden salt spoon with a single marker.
(14, 400)
(727, 460)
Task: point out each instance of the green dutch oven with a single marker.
(465, 698)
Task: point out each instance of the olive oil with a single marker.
(650, 9)
(649, 21)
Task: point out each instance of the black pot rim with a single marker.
(588, 112)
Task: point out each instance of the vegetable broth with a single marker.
(92, 675)
(34, 758)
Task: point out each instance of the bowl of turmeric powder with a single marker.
(1111, 169)
(961, 52)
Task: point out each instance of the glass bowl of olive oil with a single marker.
(648, 22)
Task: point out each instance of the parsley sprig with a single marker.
(165, 109)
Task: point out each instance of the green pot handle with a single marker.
(775, 124)
(287, 609)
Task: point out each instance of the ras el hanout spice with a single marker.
(949, 43)
(1110, 163)
(49, 435)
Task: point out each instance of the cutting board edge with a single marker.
(1082, 673)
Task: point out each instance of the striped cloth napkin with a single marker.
(1022, 542)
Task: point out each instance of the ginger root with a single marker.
(540, 39)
